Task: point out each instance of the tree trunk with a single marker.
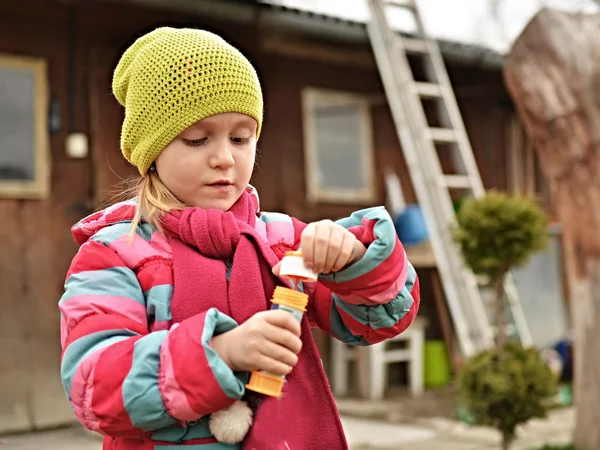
(507, 440)
(553, 75)
(500, 313)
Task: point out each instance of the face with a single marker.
(209, 164)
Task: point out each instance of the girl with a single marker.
(166, 304)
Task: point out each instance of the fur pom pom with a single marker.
(230, 425)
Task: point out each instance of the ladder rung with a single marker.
(409, 4)
(457, 181)
(397, 355)
(428, 90)
(442, 135)
(415, 46)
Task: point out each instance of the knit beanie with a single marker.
(170, 79)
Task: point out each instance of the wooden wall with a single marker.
(486, 108)
(35, 241)
(35, 244)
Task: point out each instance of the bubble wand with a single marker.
(291, 300)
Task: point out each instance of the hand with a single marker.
(269, 340)
(328, 247)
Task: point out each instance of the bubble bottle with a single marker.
(290, 300)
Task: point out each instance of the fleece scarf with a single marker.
(305, 417)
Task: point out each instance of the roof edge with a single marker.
(318, 25)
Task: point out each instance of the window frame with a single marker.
(39, 187)
(316, 193)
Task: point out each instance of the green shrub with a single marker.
(499, 232)
(506, 388)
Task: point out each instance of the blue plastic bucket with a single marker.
(410, 226)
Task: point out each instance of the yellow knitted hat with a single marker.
(171, 78)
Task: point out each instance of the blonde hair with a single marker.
(154, 200)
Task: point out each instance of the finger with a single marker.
(283, 319)
(284, 338)
(345, 254)
(321, 246)
(307, 242)
(279, 353)
(271, 365)
(276, 269)
(336, 241)
(359, 250)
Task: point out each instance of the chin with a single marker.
(220, 204)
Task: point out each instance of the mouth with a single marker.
(221, 183)
(221, 186)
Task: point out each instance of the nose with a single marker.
(221, 157)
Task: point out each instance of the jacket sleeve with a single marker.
(121, 379)
(375, 298)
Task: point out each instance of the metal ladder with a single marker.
(470, 315)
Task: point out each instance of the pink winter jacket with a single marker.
(131, 377)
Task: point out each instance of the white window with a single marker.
(338, 147)
(24, 152)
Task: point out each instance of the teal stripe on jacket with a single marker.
(376, 317)
(218, 323)
(176, 433)
(114, 281)
(118, 230)
(158, 299)
(341, 331)
(80, 349)
(141, 395)
(385, 315)
(275, 217)
(110, 234)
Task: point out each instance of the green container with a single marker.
(437, 367)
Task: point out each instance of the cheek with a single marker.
(245, 164)
(177, 169)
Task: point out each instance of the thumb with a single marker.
(276, 269)
(358, 251)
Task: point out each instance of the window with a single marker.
(24, 159)
(338, 147)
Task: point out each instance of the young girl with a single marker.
(166, 307)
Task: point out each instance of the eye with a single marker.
(240, 140)
(194, 142)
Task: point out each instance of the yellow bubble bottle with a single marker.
(292, 301)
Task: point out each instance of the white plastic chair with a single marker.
(374, 359)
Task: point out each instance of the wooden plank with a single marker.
(40, 246)
(421, 255)
(46, 258)
(15, 364)
(112, 172)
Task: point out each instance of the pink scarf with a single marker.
(306, 416)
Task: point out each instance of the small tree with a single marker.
(508, 385)
(508, 388)
(496, 234)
